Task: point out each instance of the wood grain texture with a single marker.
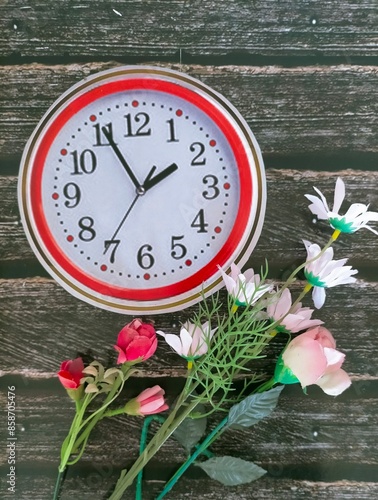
(100, 478)
(316, 429)
(304, 74)
(281, 239)
(52, 325)
(292, 111)
(145, 29)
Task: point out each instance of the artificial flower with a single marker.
(149, 402)
(193, 340)
(71, 372)
(297, 320)
(136, 340)
(312, 358)
(323, 272)
(244, 288)
(356, 217)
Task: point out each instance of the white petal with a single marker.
(334, 357)
(334, 383)
(235, 271)
(186, 341)
(322, 197)
(318, 296)
(174, 342)
(317, 207)
(339, 195)
(229, 282)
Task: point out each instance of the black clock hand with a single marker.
(121, 158)
(112, 240)
(149, 183)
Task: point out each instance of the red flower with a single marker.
(136, 340)
(71, 372)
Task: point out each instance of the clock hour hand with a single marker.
(151, 182)
(121, 158)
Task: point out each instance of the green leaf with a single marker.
(253, 408)
(231, 471)
(190, 431)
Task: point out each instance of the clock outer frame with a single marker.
(175, 302)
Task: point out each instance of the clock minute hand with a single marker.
(127, 213)
(149, 183)
(121, 158)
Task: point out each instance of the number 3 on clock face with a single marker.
(136, 184)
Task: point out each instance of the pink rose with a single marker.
(71, 372)
(148, 402)
(311, 358)
(136, 340)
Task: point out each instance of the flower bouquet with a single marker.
(219, 345)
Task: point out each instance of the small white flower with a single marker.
(244, 288)
(356, 217)
(297, 320)
(324, 272)
(193, 340)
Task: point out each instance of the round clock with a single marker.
(136, 185)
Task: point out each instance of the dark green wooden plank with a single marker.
(41, 325)
(303, 429)
(292, 111)
(40, 487)
(288, 220)
(135, 29)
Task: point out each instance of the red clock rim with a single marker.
(245, 179)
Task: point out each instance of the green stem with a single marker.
(169, 426)
(215, 434)
(201, 448)
(142, 446)
(100, 413)
(58, 484)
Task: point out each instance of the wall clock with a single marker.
(136, 184)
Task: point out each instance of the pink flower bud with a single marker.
(136, 340)
(148, 402)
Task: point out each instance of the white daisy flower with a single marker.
(297, 320)
(356, 217)
(324, 272)
(244, 288)
(193, 340)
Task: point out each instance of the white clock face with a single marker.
(137, 186)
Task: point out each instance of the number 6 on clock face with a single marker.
(136, 185)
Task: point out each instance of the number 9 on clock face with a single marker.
(136, 185)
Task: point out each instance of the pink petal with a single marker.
(322, 335)
(152, 349)
(334, 359)
(158, 410)
(138, 348)
(125, 336)
(152, 405)
(334, 383)
(147, 393)
(121, 355)
(66, 380)
(306, 359)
